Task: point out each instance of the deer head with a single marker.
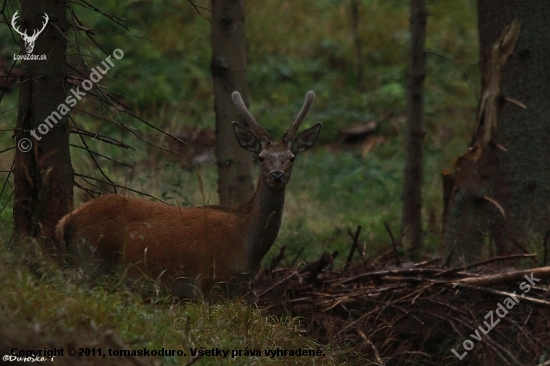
(276, 158)
(29, 40)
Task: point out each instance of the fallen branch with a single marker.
(484, 262)
(353, 244)
(505, 277)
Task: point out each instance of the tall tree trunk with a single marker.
(43, 176)
(411, 224)
(501, 192)
(228, 67)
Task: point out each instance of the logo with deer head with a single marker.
(29, 40)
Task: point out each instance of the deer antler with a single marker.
(36, 33)
(258, 130)
(14, 26)
(289, 134)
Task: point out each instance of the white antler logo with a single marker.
(29, 40)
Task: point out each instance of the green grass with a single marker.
(57, 304)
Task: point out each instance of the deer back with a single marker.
(182, 247)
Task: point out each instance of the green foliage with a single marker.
(354, 191)
(58, 304)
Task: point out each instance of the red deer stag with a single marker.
(191, 250)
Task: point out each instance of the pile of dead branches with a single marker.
(418, 313)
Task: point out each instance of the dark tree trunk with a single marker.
(411, 224)
(228, 66)
(43, 176)
(501, 192)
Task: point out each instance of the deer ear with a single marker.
(246, 138)
(306, 139)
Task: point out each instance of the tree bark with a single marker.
(43, 176)
(411, 224)
(502, 188)
(228, 67)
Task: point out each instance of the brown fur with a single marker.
(186, 248)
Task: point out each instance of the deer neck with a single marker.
(264, 213)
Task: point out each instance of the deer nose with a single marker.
(277, 176)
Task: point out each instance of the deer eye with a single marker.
(261, 159)
(292, 159)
